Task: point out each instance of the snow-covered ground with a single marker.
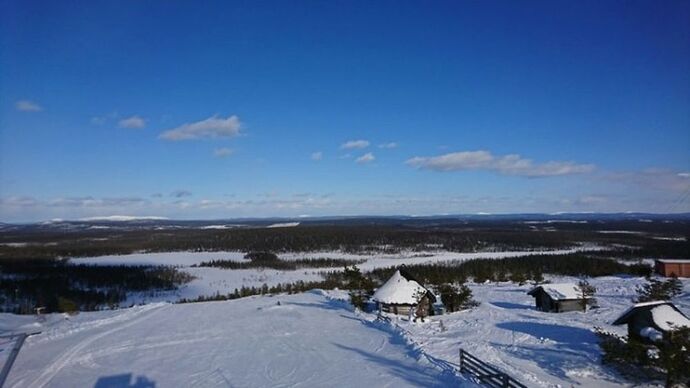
(313, 339)
(210, 281)
(537, 348)
(307, 340)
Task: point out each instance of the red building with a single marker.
(680, 267)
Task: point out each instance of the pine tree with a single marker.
(658, 290)
(456, 298)
(587, 292)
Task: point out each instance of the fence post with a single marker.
(506, 381)
(462, 360)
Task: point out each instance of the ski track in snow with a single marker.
(309, 340)
(65, 358)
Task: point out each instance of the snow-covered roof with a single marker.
(664, 315)
(399, 290)
(668, 318)
(559, 291)
(674, 261)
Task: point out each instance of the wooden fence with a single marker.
(486, 373)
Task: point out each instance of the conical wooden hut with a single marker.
(401, 293)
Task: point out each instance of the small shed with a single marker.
(677, 267)
(649, 321)
(557, 298)
(401, 293)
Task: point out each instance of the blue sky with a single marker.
(235, 109)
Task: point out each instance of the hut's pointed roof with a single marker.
(400, 289)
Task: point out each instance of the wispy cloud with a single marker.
(222, 152)
(133, 122)
(92, 202)
(27, 106)
(389, 145)
(212, 127)
(655, 179)
(366, 158)
(30, 208)
(354, 144)
(317, 155)
(512, 164)
(181, 193)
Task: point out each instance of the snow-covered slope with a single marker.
(538, 348)
(307, 340)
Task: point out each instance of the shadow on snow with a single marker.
(124, 381)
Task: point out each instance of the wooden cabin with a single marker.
(557, 298)
(401, 293)
(678, 267)
(650, 321)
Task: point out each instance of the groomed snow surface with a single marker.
(303, 340)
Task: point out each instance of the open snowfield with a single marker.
(209, 280)
(312, 339)
(308, 340)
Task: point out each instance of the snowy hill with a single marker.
(319, 341)
(307, 340)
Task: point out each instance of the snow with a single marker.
(284, 225)
(218, 227)
(123, 218)
(538, 348)
(161, 258)
(652, 333)
(210, 281)
(15, 244)
(398, 290)
(670, 238)
(620, 232)
(667, 318)
(316, 340)
(306, 340)
(562, 291)
(672, 261)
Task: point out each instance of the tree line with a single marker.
(264, 259)
(60, 287)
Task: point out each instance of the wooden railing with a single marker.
(487, 374)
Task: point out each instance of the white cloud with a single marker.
(212, 127)
(366, 158)
(222, 152)
(354, 144)
(512, 164)
(27, 106)
(132, 122)
(389, 145)
(317, 155)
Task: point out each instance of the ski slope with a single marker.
(308, 340)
